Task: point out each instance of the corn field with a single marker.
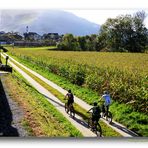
(124, 75)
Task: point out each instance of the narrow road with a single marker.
(77, 121)
(115, 125)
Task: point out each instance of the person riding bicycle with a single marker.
(105, 102)
(70, 98)
(96, 111)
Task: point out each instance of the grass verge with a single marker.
(122, 113)
(41, 117)
(107, 131)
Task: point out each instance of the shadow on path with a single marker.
(80, 121)
(6, 130)
(83, 123)
(58, 104)
(124, 129)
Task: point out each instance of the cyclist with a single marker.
(70, 98)
(96, 111)
(105, 102)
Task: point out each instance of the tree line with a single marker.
(31, 38)
(125, 33)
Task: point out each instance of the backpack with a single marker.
(70, 97)
(96, 111)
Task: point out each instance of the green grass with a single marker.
(79, 110)
(27, 127)
(46, 118)
(107, 131)
(38, 48)
(135, 121)
(124, 74)
(89, 96)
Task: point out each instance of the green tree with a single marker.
(93, 42)
(69, 42)
(82, 42)
(11, 37)
(31, 36)
(140, 33)
(101, 42)
(125, 33)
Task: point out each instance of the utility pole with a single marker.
(7, 57)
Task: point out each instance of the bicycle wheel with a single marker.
(66, 107)
(98, 130)
(72, 111)
(102, 115)
(89, 123)
(109, 117)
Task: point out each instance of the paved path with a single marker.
(115, 125)
(77, 121)
(3, 73)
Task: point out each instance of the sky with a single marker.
(96, 11)
(100, 16)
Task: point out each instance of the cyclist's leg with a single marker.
(107, 109)
(96, 124)
(98, 128)
(73, 107)
(68, 106)
(97, 118)
(103, 109)
(93, 121)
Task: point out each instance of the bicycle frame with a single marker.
(95, 126)
(70, 108)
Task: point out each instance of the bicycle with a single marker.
(95, 127)
(70, 109)
(107, 115)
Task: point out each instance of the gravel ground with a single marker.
(11, 115)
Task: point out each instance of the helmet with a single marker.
(69, 91)
(95, 103)
(105, 92)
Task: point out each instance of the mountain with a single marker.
(45, 21)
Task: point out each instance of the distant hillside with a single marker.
(44, 21)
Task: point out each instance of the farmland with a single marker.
(131, 62)
(123, 74)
